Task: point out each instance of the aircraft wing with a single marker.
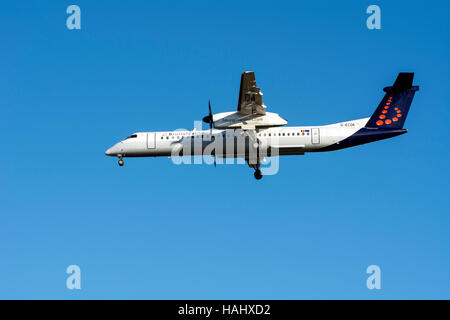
(250, 96)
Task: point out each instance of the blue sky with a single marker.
(154, 230)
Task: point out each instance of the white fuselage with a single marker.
(287, 140)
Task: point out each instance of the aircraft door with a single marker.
(151, 139)
(315, 136)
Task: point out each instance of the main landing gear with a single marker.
(121, 161)
(258, 175)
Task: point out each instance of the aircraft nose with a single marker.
(113, 151)
(109, 152)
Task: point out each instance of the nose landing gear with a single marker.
(120, 161)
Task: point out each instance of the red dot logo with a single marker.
(382, 116)
(388, 121)
(380, 123)
(399, 115)
(395, 119)
(384, 111)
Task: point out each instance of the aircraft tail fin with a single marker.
(392, 111)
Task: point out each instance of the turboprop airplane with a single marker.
(252, 133)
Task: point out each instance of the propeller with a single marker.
(209, 119)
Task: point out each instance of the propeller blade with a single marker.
(211, 122)
(209, 117)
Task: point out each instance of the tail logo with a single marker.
(382, 116)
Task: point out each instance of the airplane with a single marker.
(252, 133)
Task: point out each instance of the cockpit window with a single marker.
(132, 136)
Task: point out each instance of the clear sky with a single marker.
(155, 230)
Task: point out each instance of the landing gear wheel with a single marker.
(121, 162)
(258, 175)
